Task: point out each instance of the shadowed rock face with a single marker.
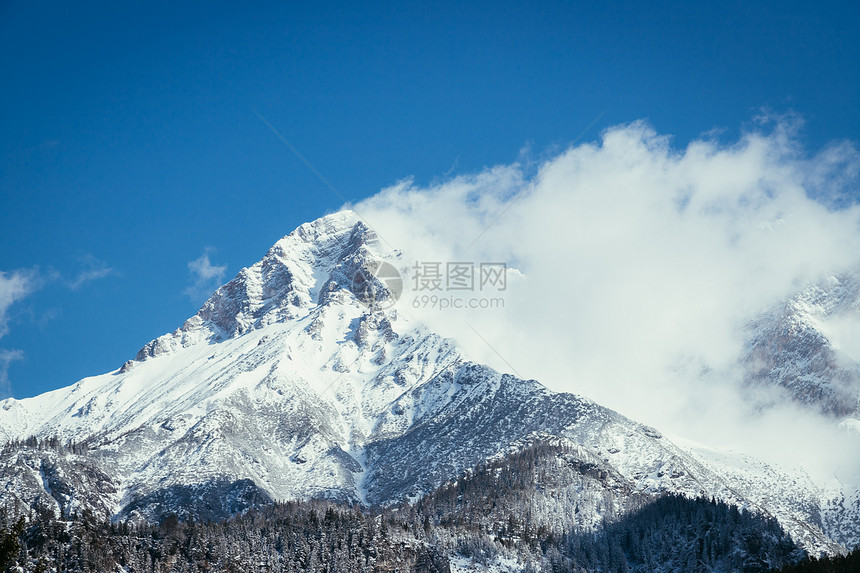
(209, 501)
(794, 347)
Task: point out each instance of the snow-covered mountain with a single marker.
(287, 384)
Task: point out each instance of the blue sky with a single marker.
(131, 145)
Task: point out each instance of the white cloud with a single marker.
(13, 287)
(642, 262)
(206, 276)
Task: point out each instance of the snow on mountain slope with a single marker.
(284, 385)
(804, 508)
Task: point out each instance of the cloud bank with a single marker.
(641, 263)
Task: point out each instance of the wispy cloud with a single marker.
(94, 269)
(6, 357)
(18, 285)
(14, 286)
(206, 276)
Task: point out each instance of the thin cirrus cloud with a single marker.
(206, 276)
(641, 263)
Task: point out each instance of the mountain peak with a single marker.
(322, 228)
(299, 272)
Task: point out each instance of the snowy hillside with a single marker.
(285, 385)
